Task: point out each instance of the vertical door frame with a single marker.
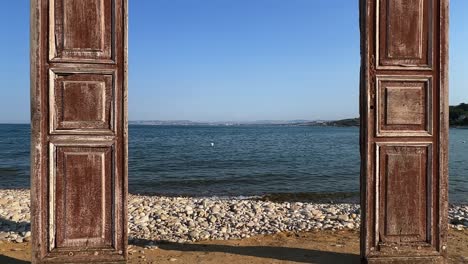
(368, 145)
(40, 65)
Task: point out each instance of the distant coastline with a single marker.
(458, 119)
(351, 122)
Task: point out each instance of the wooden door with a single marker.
(79, 130)
(404, 136)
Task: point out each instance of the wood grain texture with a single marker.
(404, 34)
(404, 93)
(83, 204)
(404, 106)
(82, 102)
(403, 178)
(79, 131)
(443, 138)
(82, 31)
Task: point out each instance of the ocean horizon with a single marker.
(249, 161)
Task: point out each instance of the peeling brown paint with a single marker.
(404, 92)
(79, 131)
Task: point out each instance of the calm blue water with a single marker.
(246, 160)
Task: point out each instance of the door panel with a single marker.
(404, 106)
(82, 102)
(404, 117)
(404, 37)
(403, 194)
(79, 131)
(83, 196)
(81, 30)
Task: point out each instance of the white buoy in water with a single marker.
(212, 144)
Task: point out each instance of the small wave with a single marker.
(9, 171)
(316, 197)
(337, 197)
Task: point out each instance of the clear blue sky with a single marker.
(231, 59)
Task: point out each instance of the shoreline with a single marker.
(277, 197)
(312, 197)
(188, 220)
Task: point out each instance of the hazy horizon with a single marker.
(200, 121)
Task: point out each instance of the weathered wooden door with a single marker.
(404, 112)
(79, 130)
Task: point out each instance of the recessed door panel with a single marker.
(82, 102)
(81, 30)
(82, 180)
(405, 34)
(404, 106)
(403, 178)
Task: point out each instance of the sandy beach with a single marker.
(321, 247)
(215, 230)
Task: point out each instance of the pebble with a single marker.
(343, 217)
(182, 220)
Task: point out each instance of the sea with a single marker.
(264, 161)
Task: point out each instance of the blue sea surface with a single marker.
(236, 160)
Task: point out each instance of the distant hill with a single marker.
(459, 115)
(345, 122)
(350, 122)
(216, 123)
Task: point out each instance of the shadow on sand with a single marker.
(9, 226)
(12, 226)
(270, 252)
(5, 259)
(299, 255)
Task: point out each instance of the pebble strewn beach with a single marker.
(193, 219)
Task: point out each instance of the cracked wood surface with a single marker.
(404, 94)
(79, 131)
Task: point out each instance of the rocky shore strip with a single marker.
(178, 219)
